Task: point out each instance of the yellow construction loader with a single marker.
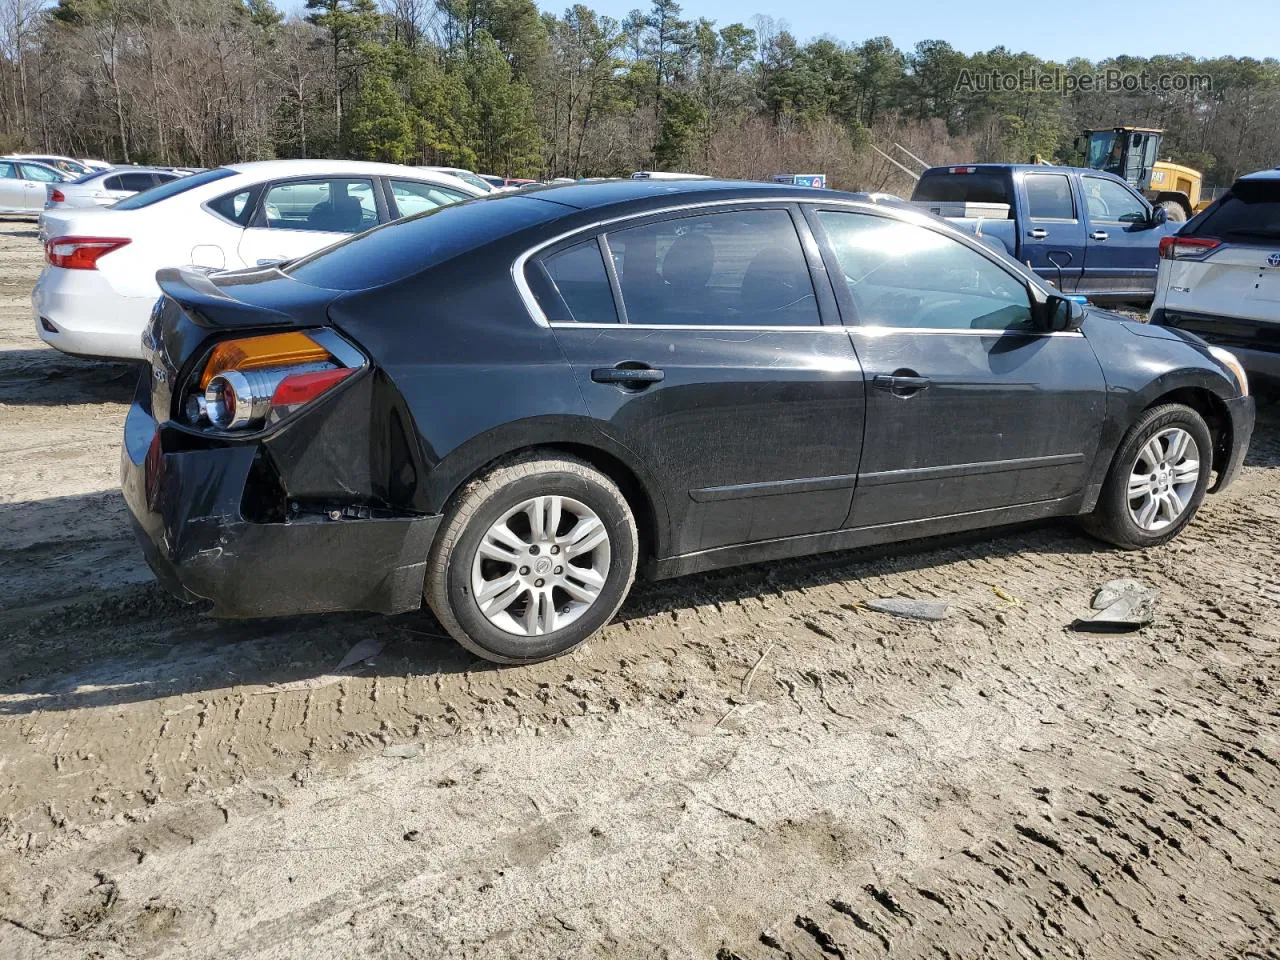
(1133, 153)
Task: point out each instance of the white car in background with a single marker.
(102, 188)
(67, 165)
(467, 176)
(97, 290)
(24, 185)
(1219, 276)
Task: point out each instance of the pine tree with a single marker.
(346, 22)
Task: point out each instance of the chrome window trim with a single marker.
(883, 330)
(708, 327)
(900, 214)
(878, 330)
(535, 311)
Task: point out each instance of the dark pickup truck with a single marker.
(1085, 231)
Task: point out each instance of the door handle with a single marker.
(628, 375)
(1098, 235)
(900, 385)
(1039, 233)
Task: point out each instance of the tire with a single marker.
(1176, 211)
(1117, 518)
(504, 503)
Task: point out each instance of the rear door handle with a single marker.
(1039, 233)
(628, 375)
(1098, 235)
(900, 385)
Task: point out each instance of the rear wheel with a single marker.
(532, 559)
(1157, 480)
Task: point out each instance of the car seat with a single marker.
(686, 272)
(774, 291)
(339, 214)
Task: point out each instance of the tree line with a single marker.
(498, 86)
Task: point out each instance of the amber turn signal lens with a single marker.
(254, 353)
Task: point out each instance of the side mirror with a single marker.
(1061, 314)
(1159, 216)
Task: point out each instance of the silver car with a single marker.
(24, 185)
(102, 188)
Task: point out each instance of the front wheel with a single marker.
(1177, 212)
(532, 559)
(1157, 480)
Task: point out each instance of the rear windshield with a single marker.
(466, 176)
(982, 187)
(1250, 211)
(172, 189)
(397, 250)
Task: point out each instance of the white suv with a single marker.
(1219, 276)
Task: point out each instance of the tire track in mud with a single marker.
(265, 729)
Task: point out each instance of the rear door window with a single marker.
(134, 182)
(577, 285)
(323, 204)
(743, 268)
(1049, 196)
(8, 171)
(1250, 211)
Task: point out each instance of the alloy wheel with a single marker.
(1163, 479)
(541, 566)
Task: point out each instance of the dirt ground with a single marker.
(744, 765)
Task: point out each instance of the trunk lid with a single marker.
(199, 306)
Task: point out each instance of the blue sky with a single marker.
(1095, 29)
(1087, 28)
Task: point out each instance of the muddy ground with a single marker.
(743, 765)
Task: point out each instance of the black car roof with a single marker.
(600, 193)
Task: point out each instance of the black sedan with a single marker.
(510, 406)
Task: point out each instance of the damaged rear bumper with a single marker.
(186, 512)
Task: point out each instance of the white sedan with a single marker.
(95, 294)
(102, 188)
(24, 185)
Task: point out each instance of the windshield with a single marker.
(171, 189)
(1105, 147)
(397, 250)
(1250, 210)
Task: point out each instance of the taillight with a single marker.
(255, 382)
(80, 253)
(1187, 248)
(56, 195)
